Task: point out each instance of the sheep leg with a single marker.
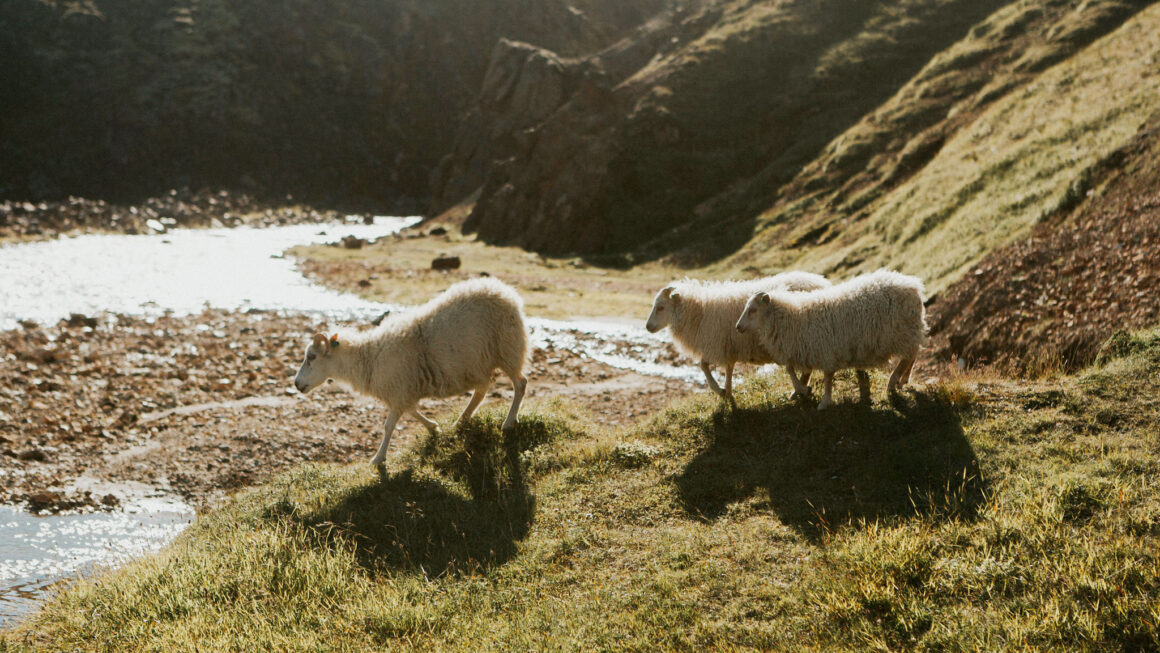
(729, 380)
(392, 420)
(827, 401)
(476, 397)
(709, 377)
(901, 374)
(432, 425)
(521, 384)
(905, 378)
(800, 390)
(863, 385)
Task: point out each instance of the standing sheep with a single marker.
(860, 323)
(447, 346)
(701, 315)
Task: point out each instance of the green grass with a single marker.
(976, 513)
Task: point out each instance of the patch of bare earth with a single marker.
(1051, 300)
(204, 405)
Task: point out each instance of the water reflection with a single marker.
(37, 552)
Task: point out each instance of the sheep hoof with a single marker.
(435, 430)
(825, 403)
(506, 428)
(376, 462)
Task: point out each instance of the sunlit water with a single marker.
(38, 552)
(184, 271)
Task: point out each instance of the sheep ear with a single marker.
(763, 299)
(319, 340)
(666, 291)
(675, 296)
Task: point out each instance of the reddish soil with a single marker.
(1051, 300)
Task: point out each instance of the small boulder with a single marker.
(43, 500)
(81, 320)
(446, 263)
(36, 455)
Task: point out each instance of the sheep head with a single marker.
(664, 304)
(315, 367)
(761, 310)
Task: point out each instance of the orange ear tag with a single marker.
(334, 340)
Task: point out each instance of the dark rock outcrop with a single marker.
(745, 90)
(350, 100)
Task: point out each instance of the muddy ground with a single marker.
(202, 406)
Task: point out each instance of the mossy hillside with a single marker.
(974, 513)
(1023, 158)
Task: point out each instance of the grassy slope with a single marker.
(996, 176)
(972, 514)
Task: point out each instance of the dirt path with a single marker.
(202, 406)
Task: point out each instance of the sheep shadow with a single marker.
(852, 462)
(463, 510)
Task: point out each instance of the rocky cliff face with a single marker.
(745, 93)
(340, 99)
(792, 118)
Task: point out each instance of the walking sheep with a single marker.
(860, 323)
(701, 315)
(447, 346)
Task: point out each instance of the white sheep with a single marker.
(701, 316)
(447, 346)
(860, 323)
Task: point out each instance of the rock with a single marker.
(35, 455)
(353, 242)
(125, 419)
(42, 500)
(446, 263)
(81, 320)
(437, 231)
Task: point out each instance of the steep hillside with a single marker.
(1006, 154)
(750, 86)
(341, 99)
(1052, 299)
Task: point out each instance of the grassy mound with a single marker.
(971, 513)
